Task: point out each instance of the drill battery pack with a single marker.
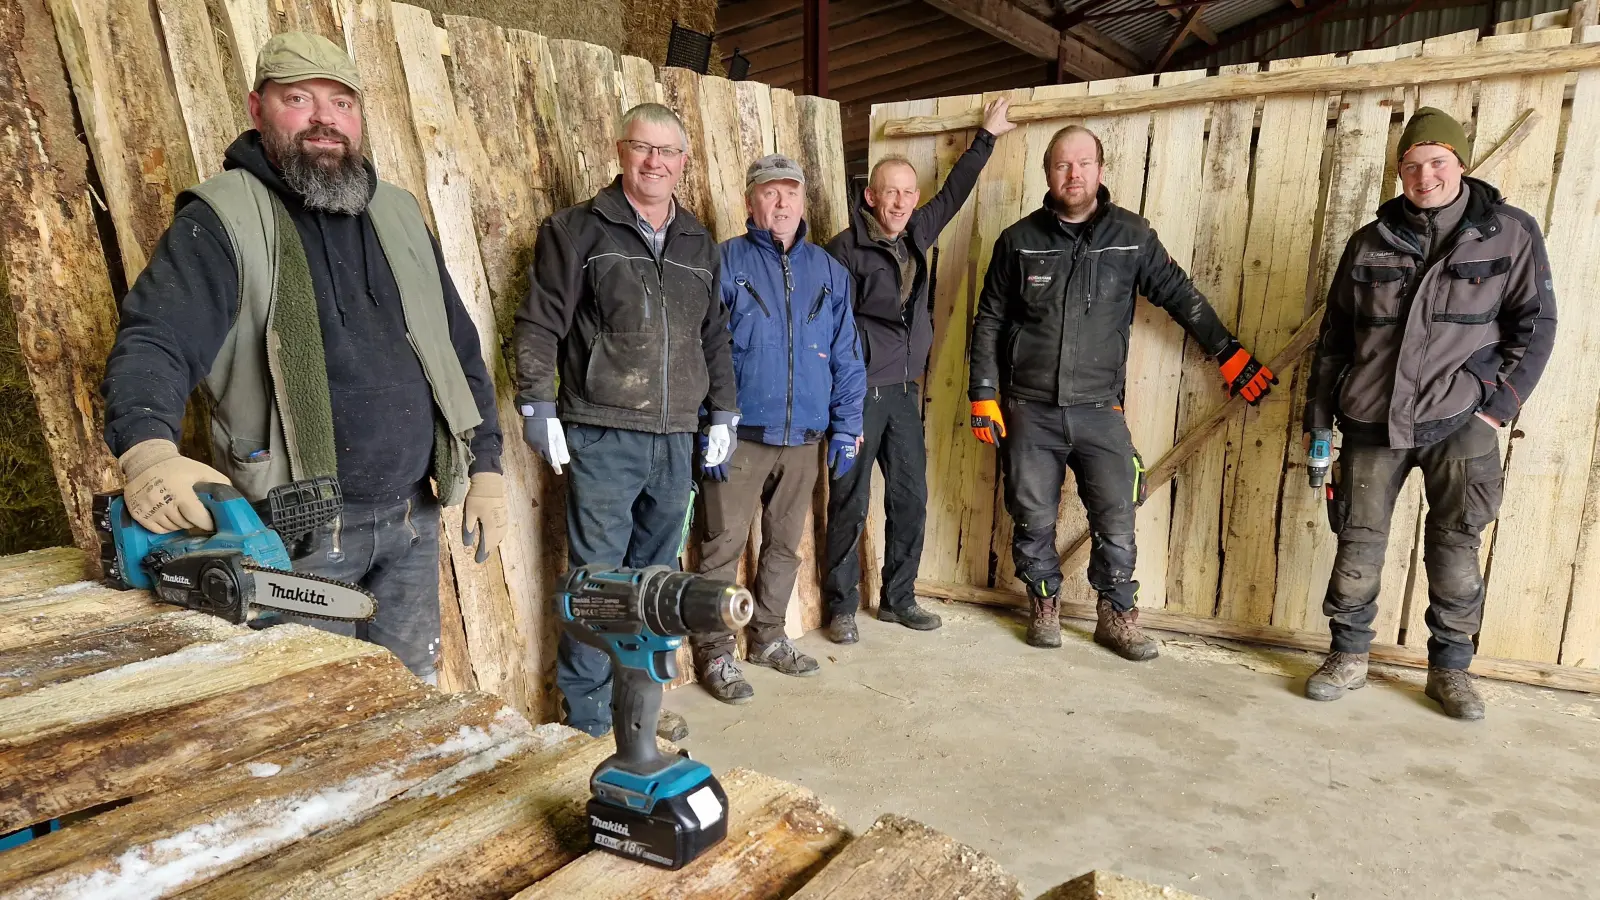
(671, 834)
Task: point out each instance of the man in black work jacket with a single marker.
(886, 250)
(1051, 335)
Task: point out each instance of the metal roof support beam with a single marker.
(1247, 32)
(1185, 28)
(1016, 26)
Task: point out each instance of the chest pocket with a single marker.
(1043, 279)
(1379, 290)
(750, 319)
(628, 289)
(1472, 290)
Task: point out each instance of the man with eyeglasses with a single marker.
(623, 354)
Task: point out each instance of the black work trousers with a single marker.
(1462, 478)
(1044, 440)
(777, 481)
(892, 437)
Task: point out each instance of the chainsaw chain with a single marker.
(309, 577)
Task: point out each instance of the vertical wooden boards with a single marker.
(754, 109)
(961, 470)
(638, 82)
(722, 148)
(135, 128)
(1535, 547)
(508, 621)
(53, 270)
(586, 92)
(210, 95)
(1194, 550)
(369, 30)
(1272, 305)
(1360, 143)
(1155, 348)
(249, 25)
(786, 139)
(1577, 184)
(822, 151)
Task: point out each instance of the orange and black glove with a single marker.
(1244, 374)
(987, 423)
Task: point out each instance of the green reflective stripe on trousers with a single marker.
(1138, 476)
(688, 520)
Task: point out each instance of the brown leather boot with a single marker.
(1453, 690)
(1120, 632)
(1045, 629)
(1338, 673)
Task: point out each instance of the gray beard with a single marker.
(327, 183)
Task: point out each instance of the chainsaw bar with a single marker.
(311, 596)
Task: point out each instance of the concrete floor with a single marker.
(1205, 770)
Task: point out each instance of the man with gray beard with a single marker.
(310, 304)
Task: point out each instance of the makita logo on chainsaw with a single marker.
(298, 595)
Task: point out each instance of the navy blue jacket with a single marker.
(796, 357)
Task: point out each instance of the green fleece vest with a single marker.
(268, 388)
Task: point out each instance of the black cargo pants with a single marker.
(1462, 478)
(1044, 440)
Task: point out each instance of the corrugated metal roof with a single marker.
(1147, 34)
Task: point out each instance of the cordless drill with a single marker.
(1319, 457)
(647, 805)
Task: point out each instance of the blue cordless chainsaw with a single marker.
(243, 565)
(647, 805)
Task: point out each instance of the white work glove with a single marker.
(542, 430)
(160, 494)
(721, 438)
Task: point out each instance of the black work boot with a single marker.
(722, 679)
(914, 617)
(842, 630)
(1045, 629)
(1338, 673)
(1453, 690)
(1120, 632)
(782, 655)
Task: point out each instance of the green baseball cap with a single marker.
(297, 56)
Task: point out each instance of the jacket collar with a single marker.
(762, 237)
(864, 226)
(1483, 201)
(1050, 217)
(611, 204)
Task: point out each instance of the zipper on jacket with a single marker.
(666, 332)
(752, 289)
(817, 309)
(646, 284)
(788, 315)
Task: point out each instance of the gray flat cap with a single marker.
(774, 167)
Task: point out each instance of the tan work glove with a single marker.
(160, 493)
(484, 515)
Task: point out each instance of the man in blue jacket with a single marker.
(800, 379)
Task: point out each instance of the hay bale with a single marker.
(32, 515)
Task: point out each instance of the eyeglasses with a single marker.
(640, 148)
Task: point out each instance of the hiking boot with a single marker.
(782, 655)
(1120, 632)
(671, 726)
(914, 617)
(1453, 690)
(1045, 629)
(842, 630)
(722, 679)
(1338, 673)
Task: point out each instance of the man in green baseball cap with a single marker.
(310, 303)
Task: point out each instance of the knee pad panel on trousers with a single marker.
(1354, 581)
(1111, 560)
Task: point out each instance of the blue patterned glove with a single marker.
(841, 454)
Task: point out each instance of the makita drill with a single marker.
(1319, 456)
(647, 805)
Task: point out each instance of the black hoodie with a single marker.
(179, 310)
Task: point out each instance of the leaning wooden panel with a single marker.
(1534, 542)
(1194, 549)
(219, 821)
(87, 652)
(1155, 347)
(586, 91)
(1272, 305)
(391, 134)
(488, 834)
(131, 115)
(905, 859)
(786, 140)
(153, 724)
(1305, 543)
(822, 150)
(680, 90)
(500, 599)
(209, 93)
(756, 138)
(722, 151)
(41, 570)
(1580, 175)
(58, 612)
(777, 835)
(960, 468)
(638, 82)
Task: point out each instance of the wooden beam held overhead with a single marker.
(1419, 70)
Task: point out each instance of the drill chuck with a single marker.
(664, 601)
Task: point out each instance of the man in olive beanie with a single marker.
(1440, 320)
(310, 304)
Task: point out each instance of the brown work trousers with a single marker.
(778, 480)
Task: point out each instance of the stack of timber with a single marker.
(493, 129)
(1255, 180)
(197, 758)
